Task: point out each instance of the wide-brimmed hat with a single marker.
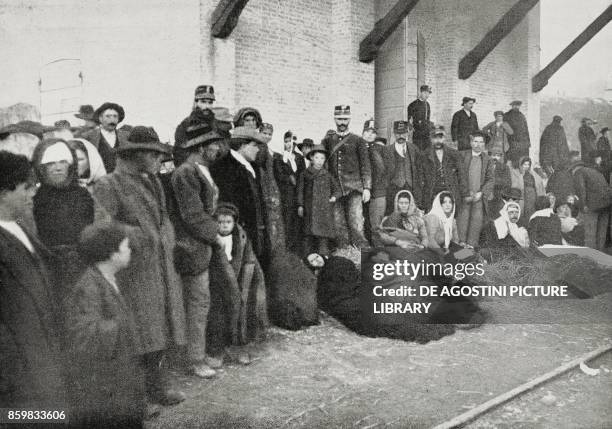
(143, 138)
(246, 133)
(200, 129)
(305, 142)
(86, 112)
(108, 105)
(317, 148)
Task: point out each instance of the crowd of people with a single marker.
(137, 247)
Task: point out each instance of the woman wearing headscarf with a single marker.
(248, 117)
(62, 208)
(441, 224)
(90, 165)
(404, 227)
(530, 183)
(505, 232)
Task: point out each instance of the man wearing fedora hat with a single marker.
(239, 182)
(133, 196)
(106, 137)
(519, 140)
(349, 164)
(419, 116)
(86, 114)
(463, 124)
(196, 196)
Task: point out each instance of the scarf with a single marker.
(446, 221)
(96, 165)
(503, 226)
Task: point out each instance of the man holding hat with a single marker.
(419, 116)
(239, 182)
(519, 141)
(403, 165)
(107, 137)
(196, 196)
(349, 164)
(463, 124)
(554, 150)
(133, 196)
(440, 169)
(498, 133)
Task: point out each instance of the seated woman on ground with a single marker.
(404, 227)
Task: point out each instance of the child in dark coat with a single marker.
(317, 192)
(107, 382)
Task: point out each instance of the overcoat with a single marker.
(150, 283)
(315, 188)
(31, 363)
(196, 229)
(286, 180)
(462, 126)
(554, 150)
(451, 166)
(104, 346)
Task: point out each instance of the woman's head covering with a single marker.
(503, 226)
(239, 116)
(54, 150)
(412, 209)
(96, 165)
(447, 221)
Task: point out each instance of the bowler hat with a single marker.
(246, 133)
(206, 92)
(512, 193)
(108, 105)
(400, 127)
(86, 112)
(305, 142)
(317, 148)
(467, 100)
(143, 138)
(342, 111)
(425, 88)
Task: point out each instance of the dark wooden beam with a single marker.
(540, 80)
(225, 17)
(504, 26)
(384, 27)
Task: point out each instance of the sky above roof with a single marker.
(589, 72)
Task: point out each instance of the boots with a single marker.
(157, 381)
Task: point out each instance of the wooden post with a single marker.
(225, 17)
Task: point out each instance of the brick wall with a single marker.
(293, 62)
(449, 30)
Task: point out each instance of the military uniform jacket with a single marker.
(420, 112)
(349, 164)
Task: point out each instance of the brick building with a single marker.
(292, 59)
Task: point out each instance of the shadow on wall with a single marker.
(572, 110)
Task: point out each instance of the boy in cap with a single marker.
(463, 124)
(317, 192)
(402, 164)
(349, 164)
(419, 116)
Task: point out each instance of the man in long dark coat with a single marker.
(133, 196)
(30, 359)
(464, 123)
(554, 150)
(587, 139)
(440, 170)
(519, 141)
(419, 116)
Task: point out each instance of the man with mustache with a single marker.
(440, 169)
(349, 165)
(106, 137)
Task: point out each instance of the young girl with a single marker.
(107, 383)
(316, 195)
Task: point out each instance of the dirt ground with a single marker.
(328, 377)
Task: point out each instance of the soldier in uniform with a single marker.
(349, 165)
(419, 116)
(204, 98)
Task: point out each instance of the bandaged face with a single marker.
(513, 214)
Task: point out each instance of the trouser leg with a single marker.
(197, 303)
(355, 220)
(463, 220)
(342, 231)
(590, 229)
